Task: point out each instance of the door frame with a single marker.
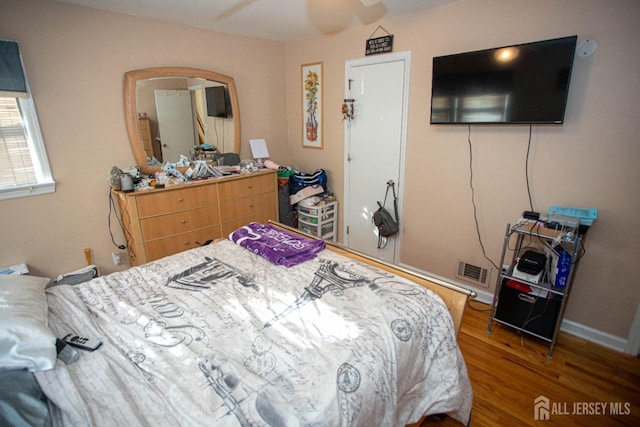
(374, 60)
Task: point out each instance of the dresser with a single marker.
(161, 222)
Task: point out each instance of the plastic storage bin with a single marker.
(320, 220)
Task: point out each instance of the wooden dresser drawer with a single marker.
(181, 199)
(179, 222)
(247, 206)
(159, 248)
(246, 187)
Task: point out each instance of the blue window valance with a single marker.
(11, 74)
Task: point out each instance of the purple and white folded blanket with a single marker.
(276, 245)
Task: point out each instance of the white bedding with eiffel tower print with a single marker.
(220, 336)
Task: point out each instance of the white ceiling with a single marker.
(280, 20)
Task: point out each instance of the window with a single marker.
(24, 167)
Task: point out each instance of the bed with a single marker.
(220, 335)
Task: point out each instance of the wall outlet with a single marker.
(117, 258)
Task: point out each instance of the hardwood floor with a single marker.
(509, 371)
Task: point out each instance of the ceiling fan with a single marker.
(329, 16)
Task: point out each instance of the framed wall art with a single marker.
(312, 105)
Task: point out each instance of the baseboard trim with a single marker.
(593, 335)
(483, 296)
(569, 326)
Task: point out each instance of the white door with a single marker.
(175, 123)
(375, 146)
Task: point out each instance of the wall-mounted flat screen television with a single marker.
(526, 83)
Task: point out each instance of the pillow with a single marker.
(25, 339)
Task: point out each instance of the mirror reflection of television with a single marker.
(526, 83)
(218, 102)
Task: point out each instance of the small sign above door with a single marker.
(379, 45)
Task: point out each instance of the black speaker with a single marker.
(218, 102)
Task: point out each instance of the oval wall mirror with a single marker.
(169, 111)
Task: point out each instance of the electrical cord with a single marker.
(548, 273)
(112, 205)
(530, 318)
(528, 244)
(473, 202)
(526, 169)
(581, 250)
(488, 306)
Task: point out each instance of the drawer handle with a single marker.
(527, 298)
(249, 187)
(186, 242)
(180, 200)
(184, 221)
(251, 206)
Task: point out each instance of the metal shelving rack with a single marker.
(544, 293)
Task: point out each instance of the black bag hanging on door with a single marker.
(387, 226)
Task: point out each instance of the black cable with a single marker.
(473, 202)
(488, 306)
(581, 251)
(540, 292)
(112, 204)
(526, 169)
(529, 236)
(530, 318)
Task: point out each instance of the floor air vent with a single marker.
(473, 273)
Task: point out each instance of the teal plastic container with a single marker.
(586, 215)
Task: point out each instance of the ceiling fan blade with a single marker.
(331, 16)
(235, 9)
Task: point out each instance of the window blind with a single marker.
(16, 167)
